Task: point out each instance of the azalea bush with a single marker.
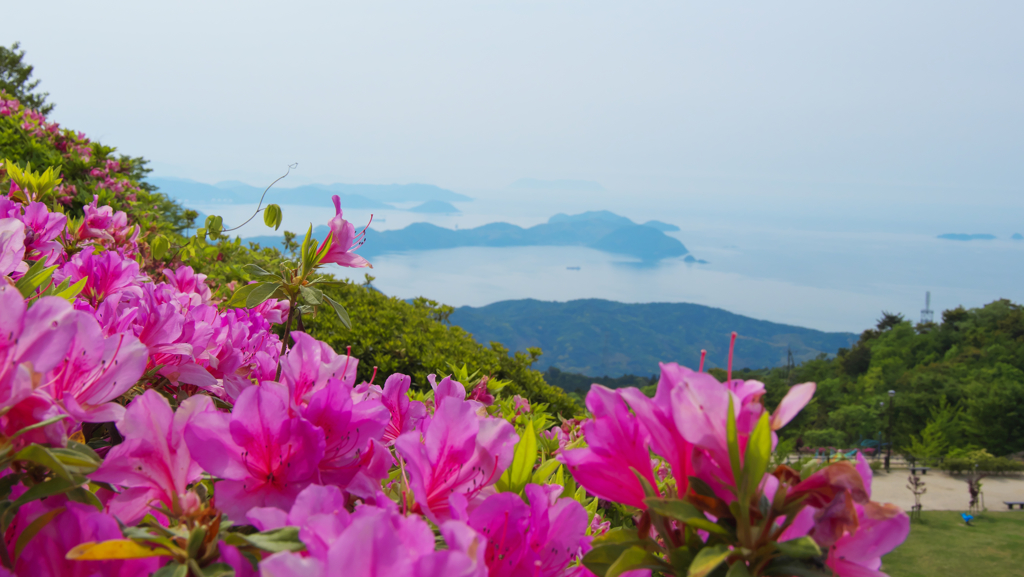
(150, 425)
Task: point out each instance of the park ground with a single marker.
(941, 543)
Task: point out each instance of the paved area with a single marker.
(945, 492)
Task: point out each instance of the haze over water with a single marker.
(759, 265)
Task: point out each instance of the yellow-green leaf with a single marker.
(518, 474)
(707, 560)
(114, 549)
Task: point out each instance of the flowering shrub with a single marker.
(148, 428)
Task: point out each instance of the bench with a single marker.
(924, 470)
(1010, 504)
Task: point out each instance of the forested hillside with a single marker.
(598, 337)
(958, 384)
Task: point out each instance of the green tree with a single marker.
(16, 79)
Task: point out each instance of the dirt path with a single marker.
(945, 492)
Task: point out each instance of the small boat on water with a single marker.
(572, 268)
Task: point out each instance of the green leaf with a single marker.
(789, 567)
(759, 453)
(707, 560)
(256, 270)
(515, 478)
(272, 216)
(261, 293)
(544, 472)
(38, 274)
(313, 296)
(738, 569)
(42, 456)
(72, 291)
(681, 557)
(85, 497)
(38, 425)
(635, 558)
(172, 569)
(601, 558)
(685, 512)
(702, 488)
(7, 482)
(214, 224)
(237, 300)
(340, 311)
(159, 246)
(34, 528)
(72, 458)
(283, 539)
(802, 548)
(673, 508)
(648, 489)
(48, 488)
(733, 441)
(195, 541)
(218, 570)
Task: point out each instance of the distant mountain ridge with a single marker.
(598, 337)
(352, 195)
(601, 230)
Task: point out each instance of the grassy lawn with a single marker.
(942, 545)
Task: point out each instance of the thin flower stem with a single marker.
(284, 338)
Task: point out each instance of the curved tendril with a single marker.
(258, 206)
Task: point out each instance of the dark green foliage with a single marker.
(598, 337)
(398, 337)
(974, 360)
(580, 384)
(16, 79)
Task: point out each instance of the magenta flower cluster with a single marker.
(214, 429)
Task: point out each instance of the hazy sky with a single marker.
(909, 100)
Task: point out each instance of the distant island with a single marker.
(601, 230)
(961, 236)
(352, 195)
(436, 207)
(599, 337)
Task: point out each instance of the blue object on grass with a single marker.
(967, 518)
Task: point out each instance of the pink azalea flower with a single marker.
(107, 274)
(538, 540)
(446, 388)
(319, 513)
(263, 454)
(95, 371)
(343, 237)
(406, 415)
(460, 454)
(658, 419)
(185, 280)
(32, 341)
(12, 245)
(308, 366)
(616, 442)
(859, 553)
(354, 459)
(153, 462)
(44, 556)
(375, 542)
(795, 400)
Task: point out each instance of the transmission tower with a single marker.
(927, 314)
(790, 365)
